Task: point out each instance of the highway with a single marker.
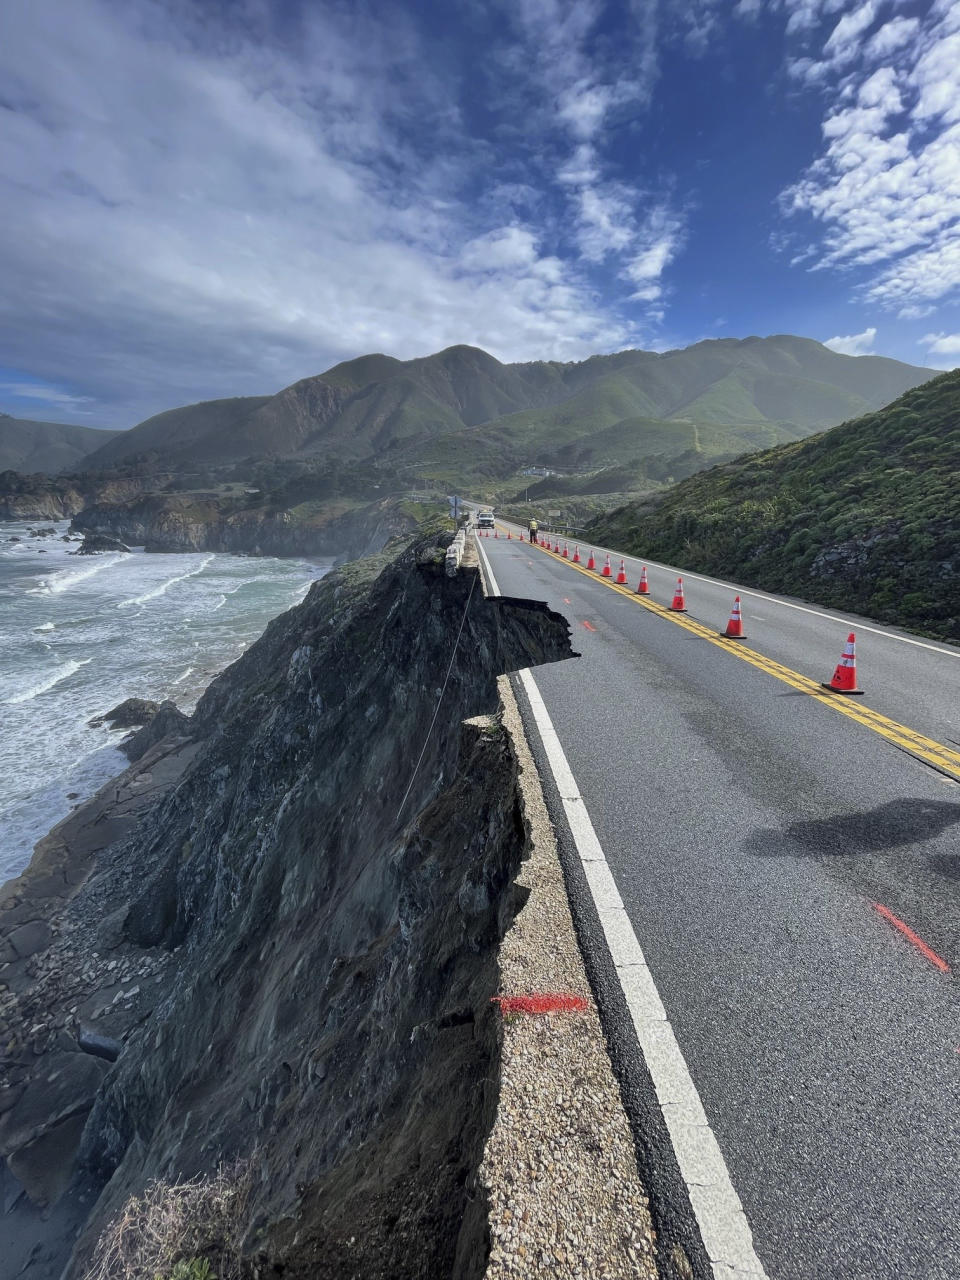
(790, 864)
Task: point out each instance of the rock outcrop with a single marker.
(166, 721)
(128, 714)
(174, 522)
(317, 903)
(95, 544)
(43, 497)
(51, 502)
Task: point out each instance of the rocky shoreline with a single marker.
(70, 994)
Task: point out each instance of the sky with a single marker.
(205, 198)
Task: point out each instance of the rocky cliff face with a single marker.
(320, 917)
(49, 504)
(42, 497)
(170, 522)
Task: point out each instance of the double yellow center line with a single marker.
(933, 753)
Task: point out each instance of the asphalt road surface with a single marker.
(792, 871)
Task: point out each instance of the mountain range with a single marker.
(461, 417)
(462, 407)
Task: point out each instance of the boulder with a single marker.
(64, 1084)
(169, 719)
(30, 938)
(40, 1135)
(95, 543)
(128, 714)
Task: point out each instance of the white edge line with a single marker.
(723, 1224)
(852, 624)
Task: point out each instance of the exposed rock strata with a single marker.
(42, 497)
(306, 979)
(172, 522)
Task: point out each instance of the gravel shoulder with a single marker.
(559, 1167)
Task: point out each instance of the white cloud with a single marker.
(946, 344)
(885, 191)
(605, 221)
(581, 168)
(658, 244)
(584, 106)
(915, 312)
(507, 248)
(190, 212)
(844, 40)
(702, 19)
(892, 36)
(589, 89)
(855, 344)
(62, 401)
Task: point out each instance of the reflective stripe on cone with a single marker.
(734, 629)
(845, 677)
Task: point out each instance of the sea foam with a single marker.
(64, 579)
(164, 587)
(50, 682)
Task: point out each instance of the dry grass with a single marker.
(170, 1222)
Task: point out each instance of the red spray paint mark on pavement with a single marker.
(548, 1002)
(909, 934)
(565, 600)
(588, 625)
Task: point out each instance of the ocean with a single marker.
(78, 634)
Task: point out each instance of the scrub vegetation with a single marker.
(865, 516)
(188, 1230)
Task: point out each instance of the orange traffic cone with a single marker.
(734, 629)
(607, 571)
(509, 536)
(643, 587)
(622, 575)
(845, 677)
(678, 604)
(576, 554)
(566, 554)
(556, 546)
(496, 534)
(591, 563)
(521, 535)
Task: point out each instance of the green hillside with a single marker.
(503, 417)
(864, 517)
(48, 447)
(177, 433)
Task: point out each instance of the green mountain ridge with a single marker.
(30, 446)
(403, 412)
(865, 516)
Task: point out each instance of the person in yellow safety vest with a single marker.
(533, 530)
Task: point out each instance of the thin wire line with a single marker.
(443, 690)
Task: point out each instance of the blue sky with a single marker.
(210, 199)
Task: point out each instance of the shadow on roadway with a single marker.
(890, 826)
